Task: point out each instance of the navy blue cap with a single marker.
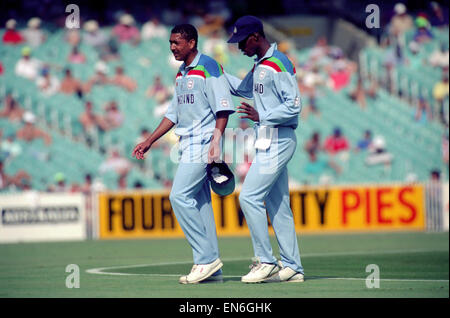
(245, 26)
(221, 178)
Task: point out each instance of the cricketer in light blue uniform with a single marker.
(273, 87)
(201, 91)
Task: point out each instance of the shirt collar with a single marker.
(268, 54)
(194, 62)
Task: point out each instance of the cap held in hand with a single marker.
(221, 178)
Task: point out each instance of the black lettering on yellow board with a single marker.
(241, 216)
(222, 211)
(111, 212)
(128, 214)
(322, 204)
(303, 206)
(156, 210)
(148, 213)
(166, 211)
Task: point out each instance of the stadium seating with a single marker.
(416, 147)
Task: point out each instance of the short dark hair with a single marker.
(187, 31)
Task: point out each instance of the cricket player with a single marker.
(273, 87)
(199, 110)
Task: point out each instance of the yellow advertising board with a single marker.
(315, 210)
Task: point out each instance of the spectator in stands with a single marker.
(336, 142)
(318, 164)
(69, 84)
(138, 185)
(423, 112)
(20, 180)
(423, 33)
(320, 49)
(113, 117)
(401, 22)
(311, 80)
(378, 153)
(163, 105)
(359, 93)
(93, 36)
(395, 56)
(153, 29)
(311, 108)
(106, 46)
(86, 187)
(339, 76)
(388, 81)
(11, 35)
(440, 57)
(313, 144)
(158, 90)
(10, 148)
(1, 68)
(12, 109)
(216, 47)
(124, 81)
(92, 121)
(27, 66)
(365, 142)
(99, 78)
(73, 37)
(76, 57)
(440, 95)
(437, 17)
(33, 34)
(47, 83)
(126, 31)
(115, 162)
(30, 132)
(60, 183)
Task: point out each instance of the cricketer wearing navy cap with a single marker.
(273, 87)
(244, 27)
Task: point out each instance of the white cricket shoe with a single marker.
(201, 272)
(286, 274)
(259, 272)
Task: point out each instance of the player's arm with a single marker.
(164, 126)
(219, 98)
(287, 89)
(215, 148)
(169, 120)
(241, 88)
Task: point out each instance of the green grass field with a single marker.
(410, 264)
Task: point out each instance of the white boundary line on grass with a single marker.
(102, 270)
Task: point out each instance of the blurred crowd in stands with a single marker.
(326, 66)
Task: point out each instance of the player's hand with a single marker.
(214, 151)
(249, 110)
(141, 149)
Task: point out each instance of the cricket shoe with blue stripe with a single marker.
(259, 272)
(201, 272)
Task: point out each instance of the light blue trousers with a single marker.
(191, 202)
(266, 188)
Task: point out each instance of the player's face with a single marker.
(180, 47)
(248, 45)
